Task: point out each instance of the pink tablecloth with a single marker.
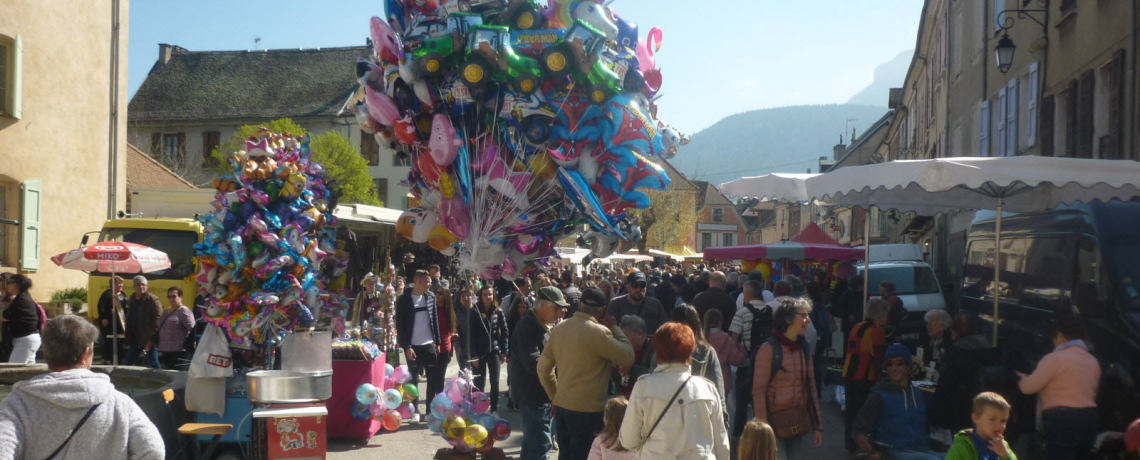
(347, 377)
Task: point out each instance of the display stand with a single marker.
(347, 377)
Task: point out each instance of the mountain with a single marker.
(888, 75)
(784, 139)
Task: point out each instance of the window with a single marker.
(169, 149)
(1035, 271)
(984, 128)
(718, 214)
(381, 187)
(210, 142)
(178, 245)
(1011, 101)
(706, 240)
(1031, 134)
(11, 51)
(369, 149)
(401, 159)
(726, 239)
(1001, 137)
(1048, 109)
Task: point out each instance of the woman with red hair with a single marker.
(672, 413)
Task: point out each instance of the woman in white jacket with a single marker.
(673, 414)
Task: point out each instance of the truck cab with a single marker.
(577, 54)
(490, 57)
(175, 237)
(517, 14)
(435, 43)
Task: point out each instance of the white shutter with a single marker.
(1011, 100)
(1031, 120)
(1000, 124)
(31, 191)
(984, 128)
(17, 76)
(999, 6)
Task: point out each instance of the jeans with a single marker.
(743, 387)
(912, 455)
(1070, 433)
(576, 432)
(24, 349)
(173, 360)
(855, 392)
(489, 367)
(795, 448)
(423, 364)
(133, 352)
(435, 376)
(536, 427)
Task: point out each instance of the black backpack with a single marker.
(762, 323)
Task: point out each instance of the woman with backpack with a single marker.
(783, 387)
(21, 321)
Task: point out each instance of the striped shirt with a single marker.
(742, 323)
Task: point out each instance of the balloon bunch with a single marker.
(389, 407)
(522, 122)
(266, 257)
(460, 415)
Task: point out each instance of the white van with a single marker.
(916, 284)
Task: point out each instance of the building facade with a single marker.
(718, 222)
(62, 132)
(192, 101)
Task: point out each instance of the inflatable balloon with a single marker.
(401, 375)
(405, 410)
(434, 424)
(360, 411)
(393, 398)
(441, 406)
(475, 436)
(366, 393)
(480, 402)
(391, 420)
(455, 426)
(410, 391)
(502, 430)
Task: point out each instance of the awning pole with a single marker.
(997, 269)
(866, 259)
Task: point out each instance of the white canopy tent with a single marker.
(779, 187)
(1016, 184)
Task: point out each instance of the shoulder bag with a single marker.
(666, 409)
(796, 421)
(79, 425)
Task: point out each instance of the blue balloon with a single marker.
(360, 411)
(585, 200)
(367, 393)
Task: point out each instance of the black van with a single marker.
(1082, 259)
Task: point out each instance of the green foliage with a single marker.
(342, 161)
(74, 296)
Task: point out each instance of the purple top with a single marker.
(173, 329)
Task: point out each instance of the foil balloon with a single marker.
(475, 436)
(393, 398)
(409, 391)
(391, 420)
(360, 411)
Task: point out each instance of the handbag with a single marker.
(793, 422)
(666, 409)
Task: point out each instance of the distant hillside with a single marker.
(784, 139)
(888, 75)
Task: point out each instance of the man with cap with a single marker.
(527, 342)
(574, 370)
(637, 304)
(895, 413)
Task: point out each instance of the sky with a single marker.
(717, 57)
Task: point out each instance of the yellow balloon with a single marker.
(455, 426)
(475, 436)
(766, 269)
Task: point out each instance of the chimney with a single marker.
(838, 150)
(809, 171)
(853, 135)
(164, 52)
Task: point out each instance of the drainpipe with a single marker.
(113, 129)
(1133, 38)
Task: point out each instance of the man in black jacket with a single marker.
(716, 297)
(417, 332)
(527, 343)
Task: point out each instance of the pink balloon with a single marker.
(405, 410)
(455, 217)
(381, 107)
(647, 49)
(443, 144)
(480, 402)
(385, 41)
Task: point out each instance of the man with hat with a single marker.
(527, 342)
(895, 413)
(637, 304)
(574, 370)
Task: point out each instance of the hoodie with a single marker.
(895, 416)
(965, 447)
(42, 411)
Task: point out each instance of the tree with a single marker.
(670, 218)
(342, 161)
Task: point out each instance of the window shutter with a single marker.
(1085, 115)
(156, 145)
(31, 191)
(1031, 121)
(17, 76)
(984, 128)
(999, 6)
(1001, 138)
(1011, 100)
(1048, 107)
(1072, 96)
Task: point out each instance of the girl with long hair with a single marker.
(606, 445)
(488, 365)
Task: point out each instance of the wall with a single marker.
(63, 135)
(731, 225)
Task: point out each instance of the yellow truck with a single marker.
(174, 236)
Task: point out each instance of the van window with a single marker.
(908, 280)
(1125, 254)
(1035, 271)
(178, 245)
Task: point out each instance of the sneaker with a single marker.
(416, 418)
(495, 414)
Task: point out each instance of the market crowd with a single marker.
(715, 362)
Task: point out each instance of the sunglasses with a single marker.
(896, 363)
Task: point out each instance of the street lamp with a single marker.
(1004, 21)
(1004, 52)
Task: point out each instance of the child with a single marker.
(758, 442)
(606, 445)
(985, 441)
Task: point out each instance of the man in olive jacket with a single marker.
(142, 324)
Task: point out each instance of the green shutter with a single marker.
(17, 70)
(31, 191)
